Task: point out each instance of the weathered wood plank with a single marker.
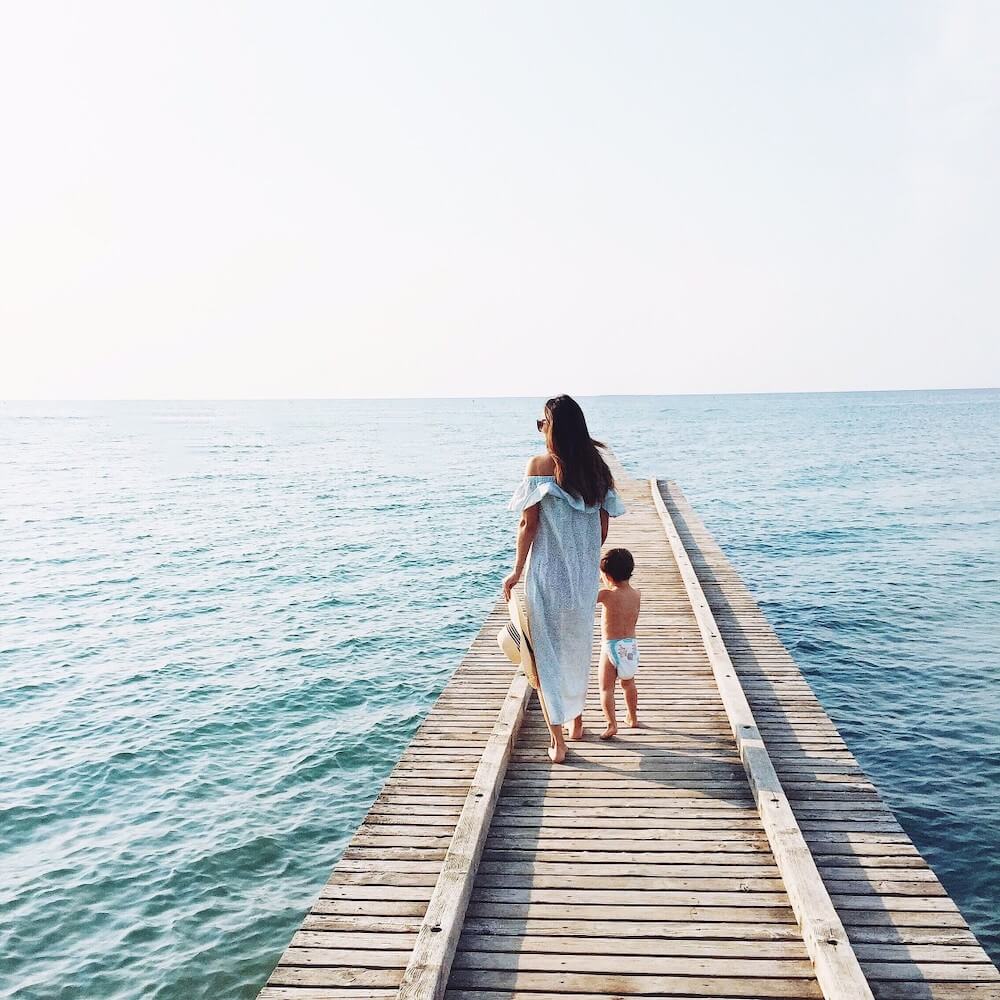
(640, 867)
(788, 712)
(837, 968)
(428, 966)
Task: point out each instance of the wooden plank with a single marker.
(590, 854)
(789, 713)
(642, 866)
(426, 974)
(837, 968)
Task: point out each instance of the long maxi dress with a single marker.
(560, 589)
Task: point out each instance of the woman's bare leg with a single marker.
(557, 745)
(576, 728)
(608, 676)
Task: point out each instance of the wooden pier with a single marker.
(731, 848)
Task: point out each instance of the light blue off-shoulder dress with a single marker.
(560, 589)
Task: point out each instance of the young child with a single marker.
(619, 602)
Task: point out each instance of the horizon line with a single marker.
(432, 398)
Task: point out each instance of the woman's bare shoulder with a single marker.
(541, 465)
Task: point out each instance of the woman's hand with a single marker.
(509, 583)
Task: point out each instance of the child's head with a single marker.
(617, 565)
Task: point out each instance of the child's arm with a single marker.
(602, 596)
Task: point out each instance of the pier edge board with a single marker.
(645, 907)
(426, 974)
(892, 904)
(838, 970)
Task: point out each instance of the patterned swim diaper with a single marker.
(624, 655)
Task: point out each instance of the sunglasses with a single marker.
(540, 424)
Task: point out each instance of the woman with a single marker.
(565, 500)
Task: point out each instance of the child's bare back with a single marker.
(620, 611)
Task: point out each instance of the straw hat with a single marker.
(514, 640)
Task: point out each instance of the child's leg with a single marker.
(631, 702)
(608, 677)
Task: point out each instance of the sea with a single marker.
(221, 622)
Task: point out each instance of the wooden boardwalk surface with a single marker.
(641, 867)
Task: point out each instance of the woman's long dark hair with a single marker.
(580, 468)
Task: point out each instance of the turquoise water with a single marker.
(221, 622)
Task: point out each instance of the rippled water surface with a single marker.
(221, 622)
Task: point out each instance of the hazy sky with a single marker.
(376, 199)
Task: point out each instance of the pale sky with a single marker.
(210, 199)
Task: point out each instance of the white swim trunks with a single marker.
(624, 656)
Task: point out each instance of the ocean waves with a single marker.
(221, 624)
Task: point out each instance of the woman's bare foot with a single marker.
(611, 731)
(576, 729)
(557, 754)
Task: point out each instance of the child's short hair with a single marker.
(618, 564)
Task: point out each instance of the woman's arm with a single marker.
(604, 526)
(526, 532)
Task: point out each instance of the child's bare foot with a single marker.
(576, 729)
(557, 754)
(610, 732)
(631, 723)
